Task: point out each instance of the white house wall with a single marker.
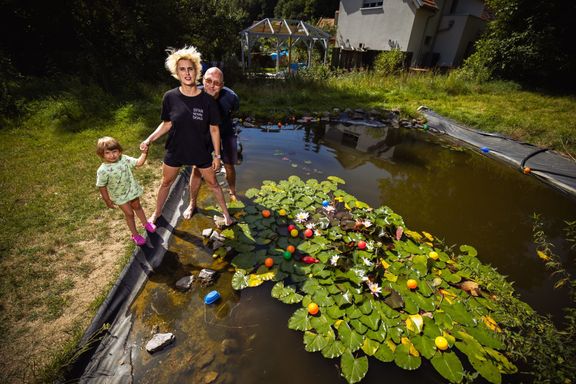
(382, 28)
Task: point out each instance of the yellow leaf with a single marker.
(347, 206)
(428, 236)
(490, 323)
(339, 198)
(406, 341)
(255, 280)
(543, 256)
(415, 323)
(415, 235)
(384, 263)
(391, 345)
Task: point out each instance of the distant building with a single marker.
(433, 33)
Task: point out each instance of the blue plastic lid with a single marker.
(211, 297)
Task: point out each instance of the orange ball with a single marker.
(269, 262)
(527, 170)
(291, 248)
(265, 213)
(412, 284)
(313, 308)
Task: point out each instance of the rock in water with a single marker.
(159, 341)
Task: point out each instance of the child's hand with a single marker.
(109, 204)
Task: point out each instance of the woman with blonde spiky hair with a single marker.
(191, 118)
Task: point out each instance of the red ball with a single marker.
(291, 227)
(308, 232)
(361, 244)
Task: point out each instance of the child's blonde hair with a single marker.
(107, 143)
(186, 53)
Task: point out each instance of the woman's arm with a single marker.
(158, 132)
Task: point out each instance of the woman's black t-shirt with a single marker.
(189, 141)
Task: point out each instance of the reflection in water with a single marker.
(454, 193)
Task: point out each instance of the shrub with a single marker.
(389, 62)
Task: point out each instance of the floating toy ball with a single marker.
(265, 213)
(269, 262)
(313, 308)
(485, 149)
(294, 233)
(308, 232)
(441, 343)
(282, 212)
(425, 127)
(325, 203)
(211, 297)
(433, 255)
(287, 255)
(361, 244)
(291, 248)
(310, 260)
(412, 284)
(291, 227)
(526, 170)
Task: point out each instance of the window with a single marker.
(371, 4)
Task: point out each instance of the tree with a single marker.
(529, 41)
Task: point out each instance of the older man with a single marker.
(228, 103)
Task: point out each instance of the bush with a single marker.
(389, 62)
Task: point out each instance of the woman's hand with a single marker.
(216, 164)
(145, 145)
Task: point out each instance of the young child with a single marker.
(118, 186)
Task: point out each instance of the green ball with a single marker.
(287, 255)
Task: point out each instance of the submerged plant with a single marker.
(382, 290)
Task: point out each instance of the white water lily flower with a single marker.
(367, 262)
(370, 245)
(311, 225)
(334, 259)
(367, 223)
(360, 273)
(329, 208)
(375, 289)
(317, 232)
(301, 217)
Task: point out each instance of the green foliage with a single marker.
(366, 308)
(389, 62)
(528, 41)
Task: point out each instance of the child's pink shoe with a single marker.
(139, 240)
(150, 227)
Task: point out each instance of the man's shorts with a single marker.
(230, 149)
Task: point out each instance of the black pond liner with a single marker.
(545, 164)
(106, 357)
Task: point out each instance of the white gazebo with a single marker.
(287, 33)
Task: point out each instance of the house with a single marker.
(433, 33)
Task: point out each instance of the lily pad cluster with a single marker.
(379, 289)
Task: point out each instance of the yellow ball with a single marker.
(433, 255)
(294, 233)
(441, 343)
(282, 212)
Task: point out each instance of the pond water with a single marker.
(455, 193)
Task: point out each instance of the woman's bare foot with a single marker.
(190, 211)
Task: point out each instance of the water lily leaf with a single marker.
(449, 366)
(321, 324)
(425, 290)
(336, 180)
(350, 338)
(404, 359)
(287, 295)
(384, 353)
(343, 298)
(469, 250)
(358, 326)
(255, 280)
(370, 346)
(431, 329)
(486, 337)
(314, 342)
(424, 303)
(372, 320)
(251, 193)
(420, 259)
(239, 280)
(415, 323)
(335, 312)
(354, 312)
(322, 298)
(300, 321)
(353, 369)
(503, 363)
(394, 300)
(458, 312)
(425, 345)
(487, 370)
(333, 349)
(310, 286)
(386, 312)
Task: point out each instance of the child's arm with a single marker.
(142, 159)
(106, 197)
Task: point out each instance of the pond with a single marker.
(453, 192)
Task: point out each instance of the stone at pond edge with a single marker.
(207, 276)
(205, 359)
(159, 341)
(210, 377)
(185, 283)
(207, 232)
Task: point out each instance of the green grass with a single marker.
(48, 164)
